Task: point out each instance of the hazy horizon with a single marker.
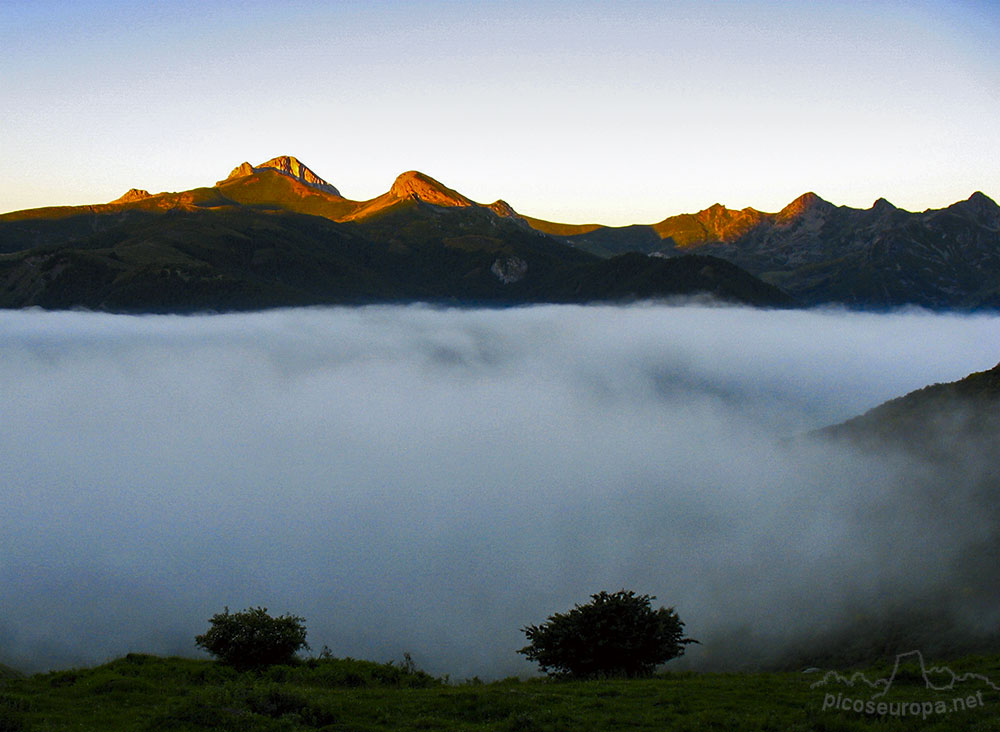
(411, 479)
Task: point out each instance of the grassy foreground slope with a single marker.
(140, 692)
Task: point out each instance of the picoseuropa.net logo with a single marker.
(912, 689)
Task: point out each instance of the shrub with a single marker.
(616, 634)
(253, 639)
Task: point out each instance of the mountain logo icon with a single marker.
(930, 700)
(936, 678)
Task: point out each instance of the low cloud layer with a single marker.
(428, 481)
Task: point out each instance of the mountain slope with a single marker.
(935, 470)
(939, 421)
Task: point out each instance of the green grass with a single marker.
(140, 692)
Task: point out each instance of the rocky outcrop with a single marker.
(288, 165)
(714, 224)
(134, 194)
(293, 167)
(509, 269)
(807, 203)
(240, 171)
(504, 209)
(413, 184)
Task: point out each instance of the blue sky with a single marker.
(584, 111)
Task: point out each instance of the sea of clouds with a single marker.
(422, 480)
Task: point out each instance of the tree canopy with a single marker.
(616, 634)
(253, 639)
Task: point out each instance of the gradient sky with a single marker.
(586, 111)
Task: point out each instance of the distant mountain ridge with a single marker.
(277, 234)
(821, 253)
(817, 252)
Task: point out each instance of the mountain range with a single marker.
(821, 253)
(278, 234)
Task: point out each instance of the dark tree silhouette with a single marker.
(253, 639)
(616, 634)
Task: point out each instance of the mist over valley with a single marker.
(423, 480)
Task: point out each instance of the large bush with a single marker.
(253, 639)
(616, 634)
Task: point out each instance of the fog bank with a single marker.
(428, 481)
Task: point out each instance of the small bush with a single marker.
(253, 639)
(329, 672)
(617, 634)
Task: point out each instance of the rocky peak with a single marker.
(134, 194)
(978, 207)
(293, 167)
(882, 211)
(982, 203)
(502, 208)
(290, 166)
(723, 223)
(806, 203)
(715, 215)
(241, 170)
(413, 184)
